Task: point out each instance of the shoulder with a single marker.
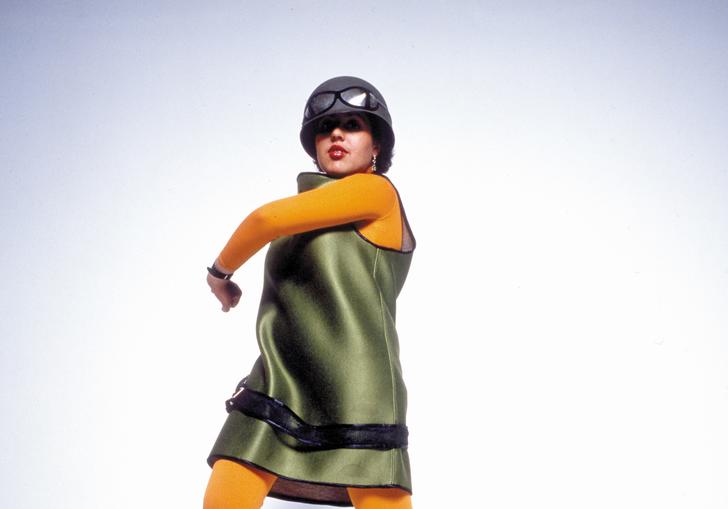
(372, 186)
(368, 190)
(370, 182)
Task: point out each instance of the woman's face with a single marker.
(344, 144)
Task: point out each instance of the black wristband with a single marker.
(216, 273)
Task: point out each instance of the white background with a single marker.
(564, 167)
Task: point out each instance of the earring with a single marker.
(374, 163)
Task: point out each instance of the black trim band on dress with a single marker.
(332, 436)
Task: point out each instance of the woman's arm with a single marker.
(354, 198)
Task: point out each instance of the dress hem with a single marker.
(292, 498)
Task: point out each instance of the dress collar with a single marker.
(309, 180)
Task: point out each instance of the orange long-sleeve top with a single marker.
(365, 199)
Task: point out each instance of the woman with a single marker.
(321, 416)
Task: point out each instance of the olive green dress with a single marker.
(324, 405)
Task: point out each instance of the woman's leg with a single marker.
(380, 498)
(236, 486)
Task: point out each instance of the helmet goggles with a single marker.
(355, 97)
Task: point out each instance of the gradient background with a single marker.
(564, 329)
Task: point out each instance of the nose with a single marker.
(337, 133)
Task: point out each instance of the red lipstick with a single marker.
(337, 152)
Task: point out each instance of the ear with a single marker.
(375, 149)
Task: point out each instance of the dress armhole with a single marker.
(391, 231)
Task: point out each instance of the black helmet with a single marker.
(346, 94)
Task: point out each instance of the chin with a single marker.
(337, 172)
(342, 171)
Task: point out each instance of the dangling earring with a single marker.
(374, 163)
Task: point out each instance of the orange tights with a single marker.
(236, 486)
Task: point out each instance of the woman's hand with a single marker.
(227, 292)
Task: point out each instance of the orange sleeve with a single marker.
(354, 198)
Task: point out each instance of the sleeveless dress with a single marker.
(324, 406)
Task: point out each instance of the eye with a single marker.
(326, 126)
(352, 125)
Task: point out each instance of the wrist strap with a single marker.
(216, 273)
